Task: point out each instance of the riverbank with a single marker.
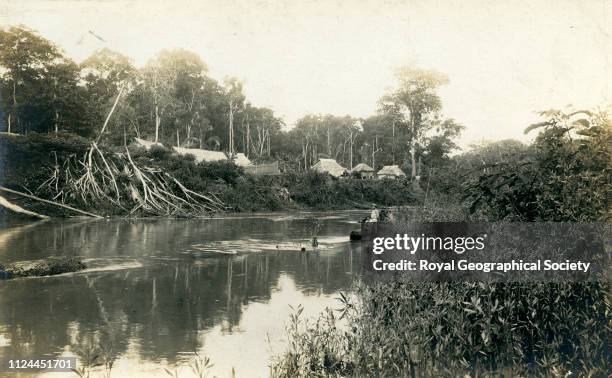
(44, 165)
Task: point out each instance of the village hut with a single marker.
(329, 166)
(390, 172)
(210, 156)
(362, 170)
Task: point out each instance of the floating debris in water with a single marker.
(44, 267)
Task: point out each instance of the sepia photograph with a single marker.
(305, 188)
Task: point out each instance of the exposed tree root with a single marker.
(116, 181)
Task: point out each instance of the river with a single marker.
(158, 290)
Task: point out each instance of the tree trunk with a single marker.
(351, 151)
(14, 104)
(413, 151)
(329, 151)
(393, 141)
(20, 210)
(231, 128)
(157, 123)
(55, 121)
(412, 159)
(248, 137)
(305, 152)
(373, 154)
(49, 202)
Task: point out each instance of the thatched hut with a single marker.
(390, 172)
(208, 155)
(362, 170)
(329, 166)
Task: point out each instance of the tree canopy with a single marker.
(173, 100)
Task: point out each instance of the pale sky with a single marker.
(506, 60)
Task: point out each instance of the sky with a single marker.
(506, 60)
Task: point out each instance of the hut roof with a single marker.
(391, 170)
(329, 166)
(145, 143)
(208, 155)
(362, 167)
(201, 155)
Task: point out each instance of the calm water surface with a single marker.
(156, 290)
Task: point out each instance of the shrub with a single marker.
(564, 176)
(159, 152)
(28, 159)
(321, 191)
(402, 329)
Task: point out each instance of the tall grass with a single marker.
(408, 329)
(456, 329)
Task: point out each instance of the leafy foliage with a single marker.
(172, 100)
(563, 176)
(482, 329)
(408, 329)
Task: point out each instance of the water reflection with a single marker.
(154, 293)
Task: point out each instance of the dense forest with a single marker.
(59, 116)
(173, 100)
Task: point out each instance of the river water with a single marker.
(158, 290)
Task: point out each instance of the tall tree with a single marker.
(38, 82)
(418, 101)
(438, 146)
(174, 81)
(235, 101)
(63, 96)
(103, 74)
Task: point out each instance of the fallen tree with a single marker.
(102, 179)
(27, 212)
(115, 181)
(18, 209)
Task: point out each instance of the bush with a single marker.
(563, 176)
(321, 191)
(402, 329)
(456, 329)
(27, 159)
(482, 329)
(30, 162)
(160, 152)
